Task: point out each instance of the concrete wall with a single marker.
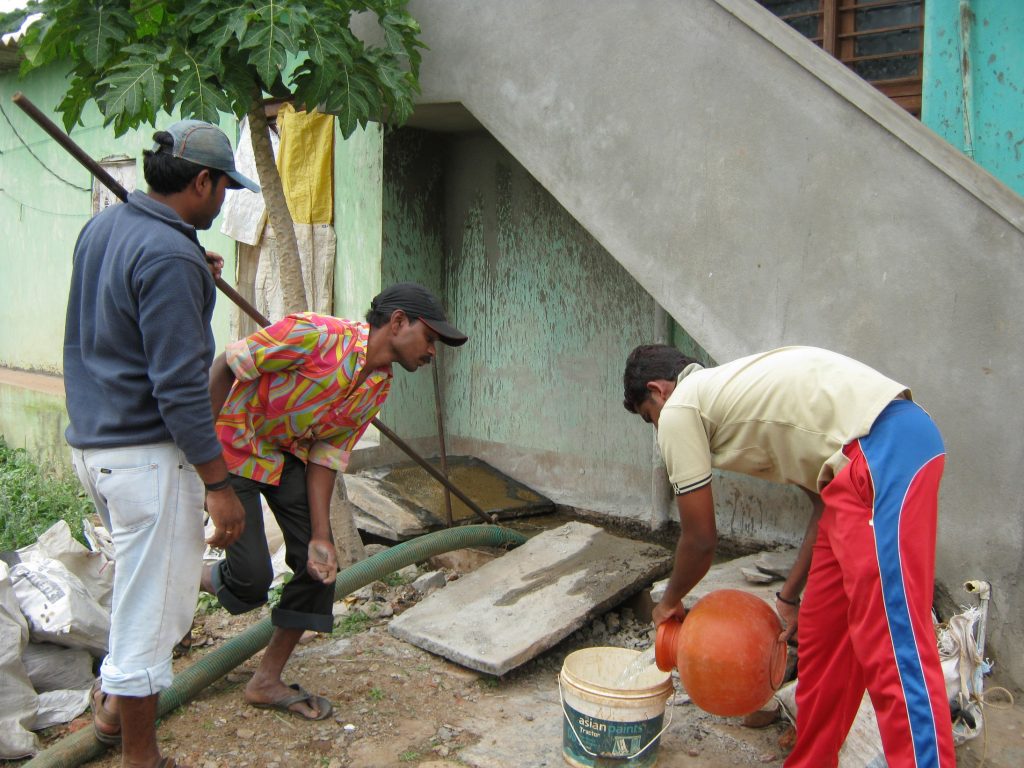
(765, 195)
(974, 66)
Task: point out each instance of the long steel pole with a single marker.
(114, 186)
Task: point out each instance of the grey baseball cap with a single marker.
(207, 145)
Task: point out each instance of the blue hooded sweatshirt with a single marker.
(137, 340)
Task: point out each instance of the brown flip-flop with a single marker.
(106, 726)
(286, 703)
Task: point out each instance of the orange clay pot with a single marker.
(727, 651)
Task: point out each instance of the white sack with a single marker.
(963, 668)
(55, 668)
(18, 700)
(94, 569)
(56, 707)
(59, 608)
(863, 746)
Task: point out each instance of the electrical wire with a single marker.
(37, 159)
(13, 199)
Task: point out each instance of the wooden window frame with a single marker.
(837, 34)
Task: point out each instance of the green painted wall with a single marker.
(413, 249)
(357, 219)
(41, 216)
(550, 314)
(993, 134)
(35, 420)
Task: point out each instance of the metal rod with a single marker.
(432, 471)
(114, 186)
(440, 435)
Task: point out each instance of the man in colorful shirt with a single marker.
(297, 396)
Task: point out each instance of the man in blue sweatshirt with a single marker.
(137, 351)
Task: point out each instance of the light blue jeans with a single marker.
(151, 500)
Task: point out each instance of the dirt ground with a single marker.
(396, 705)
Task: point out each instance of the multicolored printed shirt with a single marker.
(295, 393)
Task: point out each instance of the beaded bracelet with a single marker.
(794, 603)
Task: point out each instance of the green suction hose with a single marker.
(80, 746)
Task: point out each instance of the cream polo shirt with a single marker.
(783, 415)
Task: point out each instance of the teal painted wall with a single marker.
(993, 134)
(550, 314)
(41, 216)
(35, 420)
(413, 249)
(358, 181)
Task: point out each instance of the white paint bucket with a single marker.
(605, 724)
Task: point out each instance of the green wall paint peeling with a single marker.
(550, 314)
(357, 219)
(413, 249)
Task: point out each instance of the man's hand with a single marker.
(789, 615)
(322, 563)
(228, 517)
(664, 611)
(216, 263)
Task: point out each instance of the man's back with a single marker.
(139, 285)
(782, 415)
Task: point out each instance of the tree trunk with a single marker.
(289, 266)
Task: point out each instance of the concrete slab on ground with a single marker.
(401, 501)
(514, 608)
(729, 575)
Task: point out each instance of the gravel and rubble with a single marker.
(397, 705)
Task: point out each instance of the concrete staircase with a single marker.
(764, 195)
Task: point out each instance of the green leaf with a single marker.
(332, 50)
(312, 84)
(102, 31)
(354, 101)
(238, 23)
(268, 44)
(198, 88)
(132, 91)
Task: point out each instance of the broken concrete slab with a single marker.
(728, 575)
(776, 563)
(514, 608)
(401, 501)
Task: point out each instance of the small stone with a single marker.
(428, 582)
(768, 757)
(528, 717)
(349, 727)
(245, 733)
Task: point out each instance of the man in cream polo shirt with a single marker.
(872, 461)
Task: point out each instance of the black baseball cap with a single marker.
(419, 304)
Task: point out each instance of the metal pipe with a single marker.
(439, 410)
(82, 745)
(114, 186)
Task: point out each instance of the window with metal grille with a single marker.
(880, 40)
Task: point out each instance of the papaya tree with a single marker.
(137, 58)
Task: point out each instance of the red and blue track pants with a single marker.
(866, 620)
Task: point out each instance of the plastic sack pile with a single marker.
(54, 622)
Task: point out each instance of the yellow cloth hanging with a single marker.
(305, 162)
